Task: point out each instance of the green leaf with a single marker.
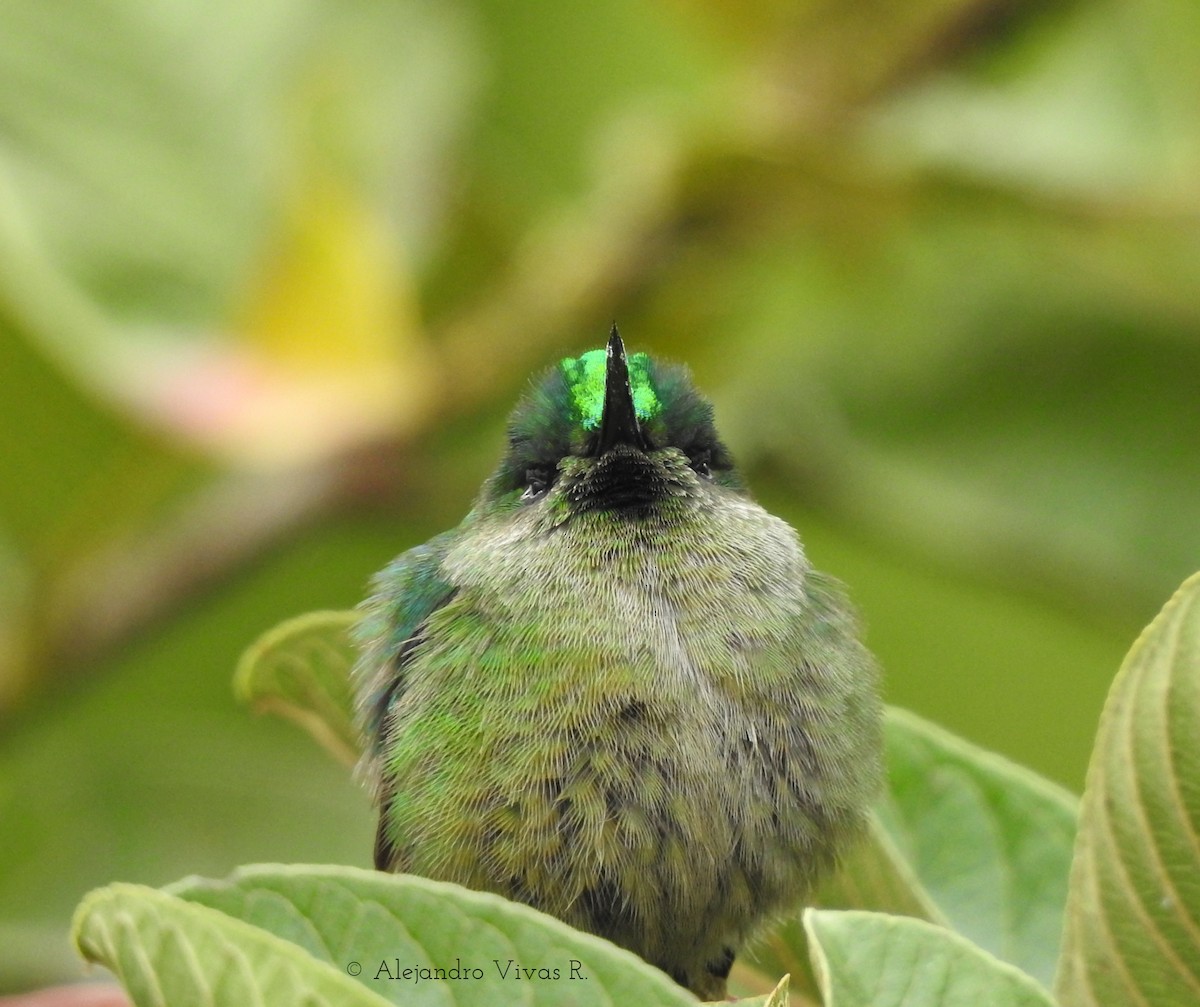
(871, 960)
(379, 924)
(963, 838)
(168, 951)
(990, 841)
(872, 875)
(1133, 913)
(300, 669)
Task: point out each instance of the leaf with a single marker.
(382, 924)
(300, 669)
(872, 875)
(990, 841)
(963, 838)
(267, 314)
(168, 951)
(1133, 912)
(871, 960)
(778, 997)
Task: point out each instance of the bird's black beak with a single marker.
(618, 423)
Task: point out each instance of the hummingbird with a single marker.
(618, 691)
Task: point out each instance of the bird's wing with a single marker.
(403, 596)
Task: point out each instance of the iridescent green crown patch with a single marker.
(585, 377)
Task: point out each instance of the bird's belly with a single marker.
(616, 784)
(629, 747)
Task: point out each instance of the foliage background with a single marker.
(271, 276)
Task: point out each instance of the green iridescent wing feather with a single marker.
(403, 597)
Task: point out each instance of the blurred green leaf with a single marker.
(134, 777)
(1069, 110)
(300, 670)
(1133, 911)
(869, 960)
(69, 461)
(222, 303)
(123, 146)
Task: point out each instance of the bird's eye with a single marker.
(537, 481)
(700, 461)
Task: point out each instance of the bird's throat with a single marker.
(622, 479)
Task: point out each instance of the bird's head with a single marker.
(611, 432)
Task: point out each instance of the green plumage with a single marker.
(618, 691)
